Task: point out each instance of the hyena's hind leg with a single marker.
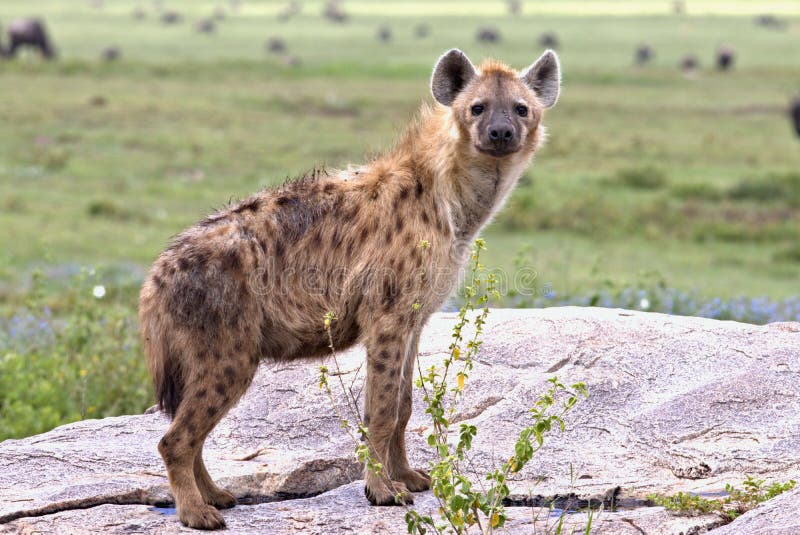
(214, 386)
(211, 493)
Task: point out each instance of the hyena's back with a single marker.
(256, 279)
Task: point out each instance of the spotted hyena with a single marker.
(378, 245)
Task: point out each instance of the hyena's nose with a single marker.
(501, 133)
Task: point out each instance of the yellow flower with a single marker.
(495, 520)
(461, 378)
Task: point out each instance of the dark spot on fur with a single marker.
(191, 428)
(201, 393)
(398, 224)
(389, 293)
(329, 187)
(250, 205)
(283, 200)
(164, 442)
(230, 261)
(212, 411)
(386, 411)
(384, 355)
(230, 373)
(364, 234)
(183, 264)
(425, 218)
(379, 367)
(403, 193)
(220, 388)
(158, 281)
(279, 249)
(385, 338)
(419, 189)
(192, 443)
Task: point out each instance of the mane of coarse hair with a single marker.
(492, 66)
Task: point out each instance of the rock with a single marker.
(778, 516)
(676, 404)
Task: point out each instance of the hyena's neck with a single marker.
(473, 187)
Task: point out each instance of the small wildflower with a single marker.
(644, 304)
(99, 291)
(424, 244)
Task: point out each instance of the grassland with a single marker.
(101, 163)
(647, 170)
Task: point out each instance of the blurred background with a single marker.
(670, 181)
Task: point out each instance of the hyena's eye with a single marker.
(522, 110)
(477, 109)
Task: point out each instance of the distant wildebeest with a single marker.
(644, 53)
(205, 26)
(488, 35)
(794, 114)
(171, 17)
(138, 13)
(28, 33)
(514, 7)
(219, 13)
(679, 7)
(770, 21)
(111, 53)
(275, 45)
(333, 11)
(422, 30)
(725, 58)
(689, 63)
(549, 40)
(384, 34)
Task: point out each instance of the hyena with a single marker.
(379, 245)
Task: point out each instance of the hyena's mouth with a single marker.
(498, 153)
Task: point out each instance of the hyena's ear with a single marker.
(452, 73)
(544, 77)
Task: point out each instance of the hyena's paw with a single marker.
(395, 493)
(219, 498)
(201, 517)
(415, 480)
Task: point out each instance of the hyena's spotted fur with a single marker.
(255, 280)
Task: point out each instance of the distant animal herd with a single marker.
(31, 33)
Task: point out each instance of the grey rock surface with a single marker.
(675, 404)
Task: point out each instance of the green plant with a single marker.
(462, 503)
(737, 502)
(59, 366)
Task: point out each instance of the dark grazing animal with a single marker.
(794, 114)
(379, 245)
(29, 33)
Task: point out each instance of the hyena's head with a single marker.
(496, 108)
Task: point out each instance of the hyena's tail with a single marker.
(163, 360)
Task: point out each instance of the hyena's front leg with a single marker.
(386, 351)
(416, 480)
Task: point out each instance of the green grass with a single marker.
(644, 170)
